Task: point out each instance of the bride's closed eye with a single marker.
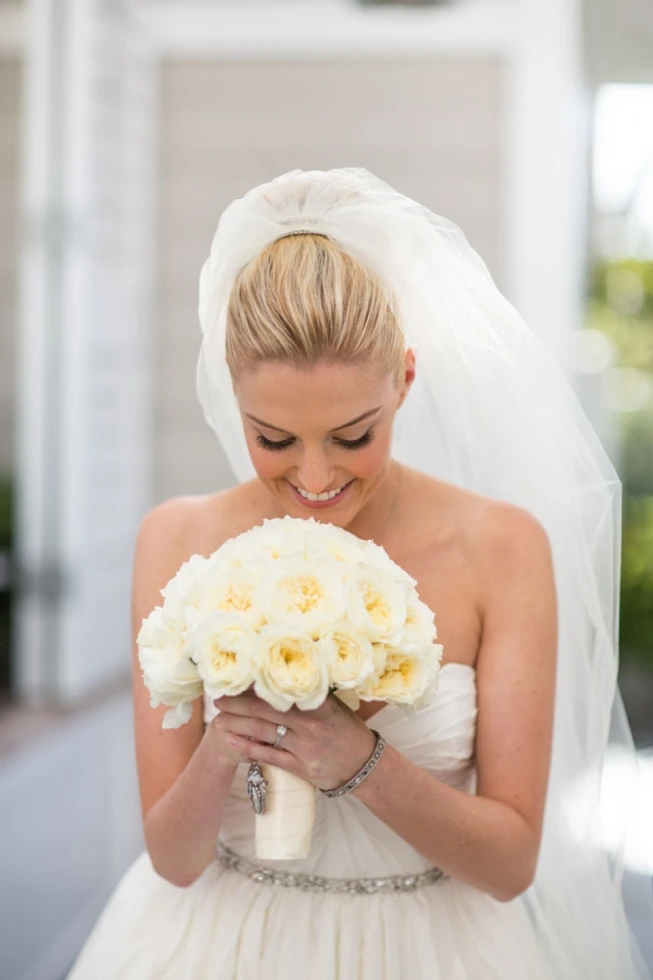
(277, 446)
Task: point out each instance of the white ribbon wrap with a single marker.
(284, 831)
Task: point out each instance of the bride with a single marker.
(359, 366)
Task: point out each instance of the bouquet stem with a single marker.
(284, 831)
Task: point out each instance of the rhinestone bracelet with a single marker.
(362, 773)
(322, 885)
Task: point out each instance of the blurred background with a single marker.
(125, 129)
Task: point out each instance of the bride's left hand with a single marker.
(325, 746)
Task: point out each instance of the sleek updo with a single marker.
(303, 300)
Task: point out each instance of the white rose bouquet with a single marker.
(298, 610)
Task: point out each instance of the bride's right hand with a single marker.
(216, 735)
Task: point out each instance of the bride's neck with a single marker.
(376, 519)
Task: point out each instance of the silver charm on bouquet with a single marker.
(257, 786)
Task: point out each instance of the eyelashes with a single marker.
(364, 440)
(352, 444)
(271, 444)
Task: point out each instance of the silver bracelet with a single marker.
(362, 773)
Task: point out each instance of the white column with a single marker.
(83, 458)
(547, 169)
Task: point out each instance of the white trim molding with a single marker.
(476, 27)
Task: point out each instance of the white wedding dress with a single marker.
(229, 927)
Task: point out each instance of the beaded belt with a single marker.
(317, 883)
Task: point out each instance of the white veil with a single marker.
(492, 412)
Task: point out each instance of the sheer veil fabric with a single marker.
(490, 411)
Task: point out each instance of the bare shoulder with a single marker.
(168, 523)
(512, 540)
(199, 524)
(491, 528)
(472, 521)
(471, 552)
(517, 591)
(506, 544)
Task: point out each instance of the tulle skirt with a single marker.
(227, 927)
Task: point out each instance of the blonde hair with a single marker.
(303, 300)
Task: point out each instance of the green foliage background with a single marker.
(620, 304)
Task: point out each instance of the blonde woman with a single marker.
(359, 366)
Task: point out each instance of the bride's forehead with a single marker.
(329, 387)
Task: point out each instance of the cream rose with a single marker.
(290, 668)
(350, 656)
(168, 673)
(373, 555)
(419, 628)
(222, 646)
(280, 537)
(178, 595)
(378, 603)
(231, 592)
(341, 546)
(306, 594)
(269, 548)
(404, 678)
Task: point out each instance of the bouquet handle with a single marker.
(284, 830)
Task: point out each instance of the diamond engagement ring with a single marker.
(281, 731)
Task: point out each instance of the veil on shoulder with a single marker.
(490, 411)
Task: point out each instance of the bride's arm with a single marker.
(491, 840)
(184, 776)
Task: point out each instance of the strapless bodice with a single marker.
(348, 840)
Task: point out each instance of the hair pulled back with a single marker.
(304, 300)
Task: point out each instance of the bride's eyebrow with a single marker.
(346, 425)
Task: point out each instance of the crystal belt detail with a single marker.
(317, 883)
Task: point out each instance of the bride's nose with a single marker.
(315, 473)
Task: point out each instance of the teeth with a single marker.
(319, 496)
